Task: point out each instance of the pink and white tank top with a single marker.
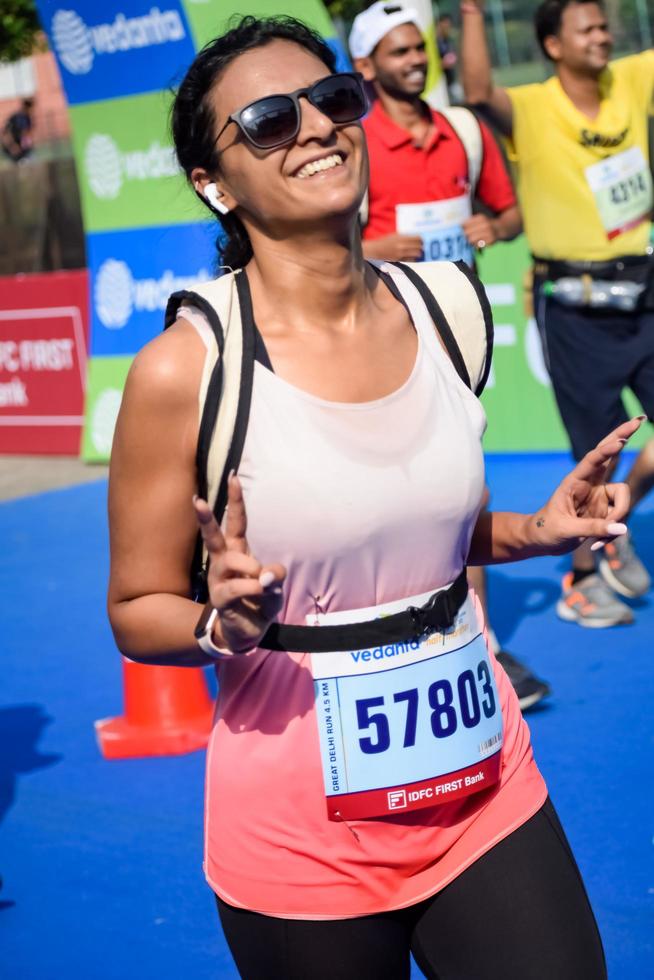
(363, 503)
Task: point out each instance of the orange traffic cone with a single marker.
(168, 711)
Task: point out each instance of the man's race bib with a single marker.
(622, 187)
(439, 224)
(408, 725)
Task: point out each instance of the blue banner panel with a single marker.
(117, 47)
(132, 275)
(343, 62)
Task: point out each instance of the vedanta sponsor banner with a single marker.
(209, 18)
(43, 343)
(119, 61)
(126, 166)
(104, 390)
(133, 274)
(103, 48)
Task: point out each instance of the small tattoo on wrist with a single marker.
(540, 522)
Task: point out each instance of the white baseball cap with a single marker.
(370, 26)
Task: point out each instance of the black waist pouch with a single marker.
(626, 268)
(646, 299)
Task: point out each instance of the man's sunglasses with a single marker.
(276, 119)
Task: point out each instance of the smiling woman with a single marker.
(363, 804)
(202, 133)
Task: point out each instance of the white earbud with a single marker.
(213, 196)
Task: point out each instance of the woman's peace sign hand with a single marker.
(584, 505)
(246, 594)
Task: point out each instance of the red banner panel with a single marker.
(43, 344)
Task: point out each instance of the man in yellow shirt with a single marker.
(579, 142)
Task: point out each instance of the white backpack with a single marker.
(466, 126)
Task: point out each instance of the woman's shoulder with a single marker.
(168, 368)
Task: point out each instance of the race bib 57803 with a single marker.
(407, 725)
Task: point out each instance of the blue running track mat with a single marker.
(101, 861)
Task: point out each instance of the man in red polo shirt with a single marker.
(420, 194)
(423, 180)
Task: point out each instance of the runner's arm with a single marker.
(476, 72)
(502, 228)
(495, 191)
(584, 505)
(151, 517)
(508, 224)
(501, 537)
(395, 248)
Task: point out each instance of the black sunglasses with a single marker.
(276, 119)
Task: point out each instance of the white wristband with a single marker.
(204, 635)
(204, 632)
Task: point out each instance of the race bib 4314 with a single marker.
(407, 725)
(622, 187)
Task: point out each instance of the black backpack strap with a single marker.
(392, 287)
(487, 313)
(189, 298)
(215, 387)
(207, 422)
(440, 321)
(212, 405)
(245, 394)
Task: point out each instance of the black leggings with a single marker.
(518, 913)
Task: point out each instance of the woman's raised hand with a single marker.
(246, 594)
(584, 505)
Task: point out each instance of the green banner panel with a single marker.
(519, 402)
(104, 390)
(208, 20)
(126, 168)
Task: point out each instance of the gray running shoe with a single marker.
(591, 603)
(529, 688)
(622, 569)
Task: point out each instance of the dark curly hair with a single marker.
(548, 16)
(192, 118)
